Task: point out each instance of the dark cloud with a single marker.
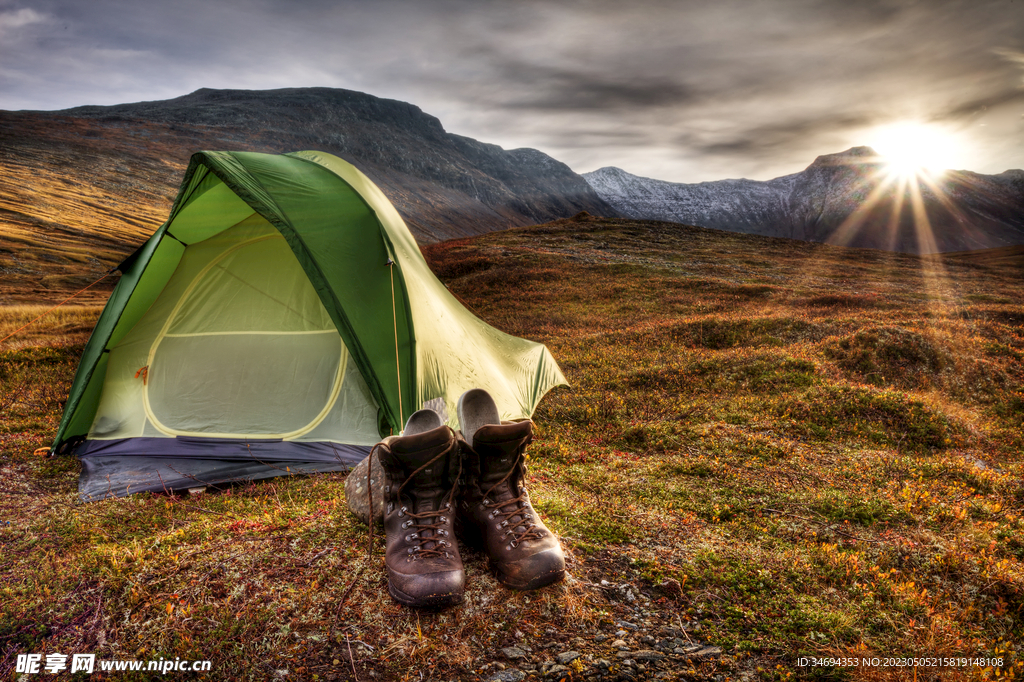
(680, 89)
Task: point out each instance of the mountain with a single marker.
(445, 185)
(80, 188)
(840, 198)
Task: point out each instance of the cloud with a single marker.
(11, 20)
(684, 88)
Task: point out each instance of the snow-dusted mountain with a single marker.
(840, 198)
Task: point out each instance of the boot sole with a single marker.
(434, 601)
(537, 582)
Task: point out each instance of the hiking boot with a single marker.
(420, 471)
(494, 506)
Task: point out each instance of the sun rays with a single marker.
(898, 193)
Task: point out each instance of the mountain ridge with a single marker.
(445, 185)
(839, 198)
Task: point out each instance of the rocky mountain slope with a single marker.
(87, 184)
(847, 198)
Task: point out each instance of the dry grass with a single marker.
(776, 448)
(67, 325)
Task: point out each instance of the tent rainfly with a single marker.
(281, 321)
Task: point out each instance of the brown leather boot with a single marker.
(420, 475)
(494, 505)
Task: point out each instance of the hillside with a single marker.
(770, 450)
(80, 188)
(845, 199)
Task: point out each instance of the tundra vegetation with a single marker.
(777, 449)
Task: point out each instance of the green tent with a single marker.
(282, 320)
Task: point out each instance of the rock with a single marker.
(357, 494)
(513, 653)
(701, 651)
(557, 672)
(621, 633)
(600, 637)
(628, 626)
(619, 644)
(510, 675)
(668, 588)
(648, 655)
(603, 663)
(647, 639)
(567, 657)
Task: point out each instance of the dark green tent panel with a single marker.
(282, 320)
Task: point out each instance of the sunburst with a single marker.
(910, 149)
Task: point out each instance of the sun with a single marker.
(909, 148)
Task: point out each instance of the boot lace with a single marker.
(518, 506)
(432, 521)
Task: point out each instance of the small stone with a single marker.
(513, 653)
(628, 626)
(619, 644)
(668, 588)
(621, 633)
(648, 655)
(600, 637)
(567, 657)
(557, 672)
(336, 662)
(603, 663)
(647, 639)
(510, 675)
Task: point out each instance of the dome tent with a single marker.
(282, 320)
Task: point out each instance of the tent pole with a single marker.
(398, 370)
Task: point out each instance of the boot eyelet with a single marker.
(401, 512)
(503, 524)
(444, 520)
(497, 526)
(391, 507)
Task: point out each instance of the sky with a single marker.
(680, 91)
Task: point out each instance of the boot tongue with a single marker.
(428, 487)
(498, 447)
